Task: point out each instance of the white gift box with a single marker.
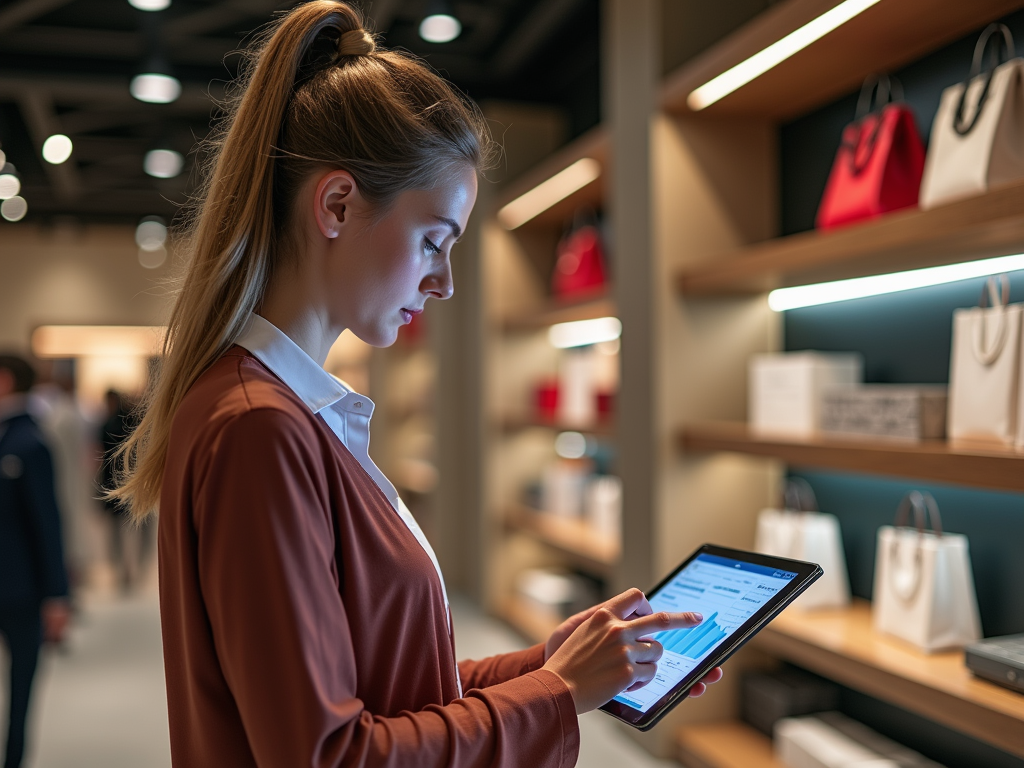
(787, 390)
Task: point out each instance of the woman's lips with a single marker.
(408, 314)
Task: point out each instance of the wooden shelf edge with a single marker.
(931, 460)
(573, 537)
(730, 744)
(526, 622)
(597, 304)
(841, 645)
(973, 228)
(512, 424)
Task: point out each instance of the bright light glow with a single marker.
(775, 54)
(860, 287)
(571, 445)
(583, 332)
(440, 28)
(151, 234)
(9, 185)
(57, 149)
(155, 88)
(549, 192)
(153, 257)
(163, 163)
(80, 340)
(14, 208)
(150, 5)
(3, 159)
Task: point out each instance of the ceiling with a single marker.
(65, 66)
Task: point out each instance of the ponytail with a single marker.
(315, 94)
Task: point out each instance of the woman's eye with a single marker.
(431, 247)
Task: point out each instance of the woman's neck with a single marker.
(291, 304)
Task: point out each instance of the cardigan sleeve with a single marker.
(284, 641)
(501, 668)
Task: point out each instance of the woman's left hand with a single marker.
(567, 627)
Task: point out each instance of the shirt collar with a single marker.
(290, 363)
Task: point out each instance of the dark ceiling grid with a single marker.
(65, 67)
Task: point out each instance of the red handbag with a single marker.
(580, 267)
(879, 164)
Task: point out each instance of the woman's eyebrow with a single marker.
(456, 229)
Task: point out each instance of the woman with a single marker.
(304, 615)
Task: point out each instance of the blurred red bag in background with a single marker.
(580, 267)
(879, 164)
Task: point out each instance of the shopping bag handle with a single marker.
(995, 294)
(876, 94)
(925, 509)
(989, 35)
(798, 496)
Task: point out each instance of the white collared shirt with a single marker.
(346, 412)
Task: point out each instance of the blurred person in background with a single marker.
(33, 580)
(128, 549)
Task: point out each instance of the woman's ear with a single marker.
(335, 193)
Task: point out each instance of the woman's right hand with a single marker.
(606, 655)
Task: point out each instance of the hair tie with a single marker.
(356, 42)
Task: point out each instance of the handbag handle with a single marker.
(924, 507)
(987, 36)
(877, 92)
(989, 296)
(798, 496)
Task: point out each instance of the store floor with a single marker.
(100, 702)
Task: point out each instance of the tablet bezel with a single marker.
(807, 574)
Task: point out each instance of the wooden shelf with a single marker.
(513, 424)
(577, 538)
(526, 621)
(974, 228)
(880, 39)
(724, 745)
(588, 307)
(594, 144)
(841, 645)
(933, 460)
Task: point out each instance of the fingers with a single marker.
(625, 604)
(713, 676)
(644, 609)
(662, 621)
(697, 690)
(643, 674)
(647, 651)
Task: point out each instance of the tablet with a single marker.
(738, 593)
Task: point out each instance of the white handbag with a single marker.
(800, 532)
(984, 369)
(977, 138)
(924, 586)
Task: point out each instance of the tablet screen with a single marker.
(727, 593)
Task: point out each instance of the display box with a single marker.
(786, 390)
(902, 412)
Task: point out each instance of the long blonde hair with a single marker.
(315, 94)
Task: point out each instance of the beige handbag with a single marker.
(977, 138)
(984, 370)
(924, 586)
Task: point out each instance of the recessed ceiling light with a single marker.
(155, 88)
(163, 163)
(440, 28)
(151, 234)
(154, 258)
(57, 149)
(14, 208)
(150, 5)
(3, 159)
(9, 185)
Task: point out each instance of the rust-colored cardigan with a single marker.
(303, 624)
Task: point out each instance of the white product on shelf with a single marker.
(984, 369)
(562, 487)
(832, 740)
(906, 412)
(577, 379)
(603, 504)
(786, 390)
(550, 594)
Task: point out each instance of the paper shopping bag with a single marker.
(977, 137)
(984, 369)
(800, 532)
(924, 586)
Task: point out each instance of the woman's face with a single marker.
(384, 267)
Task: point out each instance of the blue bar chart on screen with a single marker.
(726, 593)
